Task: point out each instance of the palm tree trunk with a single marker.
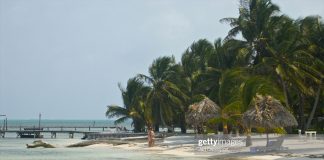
(248, 137)
(301, 113)
(237, 131)
(225, 128)
(285, 90)
(183, 123)
(267, 131)
(138, 125)
(156, 127)
(311, 116)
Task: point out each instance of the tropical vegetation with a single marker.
(265, 53)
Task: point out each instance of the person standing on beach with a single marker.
(150, 137)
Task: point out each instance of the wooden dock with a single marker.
(33, 132)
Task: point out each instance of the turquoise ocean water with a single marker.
(12, 148)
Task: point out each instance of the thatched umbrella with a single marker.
(199, 113)
(269, 113)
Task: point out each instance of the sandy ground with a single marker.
(299, 148)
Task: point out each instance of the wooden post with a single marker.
(53, 134)
(89, 128)
(39, 120)
(6, 124)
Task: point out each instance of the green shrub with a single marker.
(279, 130)
(260, 130)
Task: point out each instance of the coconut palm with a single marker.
(292, 63)
(312, 28)
(254, 21)
(222, 80)
(193, 62)
(132, 109)
(275, 52)
(165, 97)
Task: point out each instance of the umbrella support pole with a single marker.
(267, 138)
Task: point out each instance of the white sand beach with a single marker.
(184, 146)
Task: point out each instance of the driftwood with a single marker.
(39, 143)
(92, 142)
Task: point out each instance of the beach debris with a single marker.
(39, 143)
(316, 156)
(93, 142)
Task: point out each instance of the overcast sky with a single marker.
(64, 58)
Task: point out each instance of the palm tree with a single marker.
(278, 56)
(231, 84)
(254, 21)
(292, 63)
(312, 28)
(164, 98)
(275, 40)
(222, 80)
(132, 109)
(193, 62)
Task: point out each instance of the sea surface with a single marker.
(13, 148)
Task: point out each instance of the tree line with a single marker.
(265, 52)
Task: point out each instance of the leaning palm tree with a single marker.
(132, 108)
(312, 29)
(222, 80)
(293, 63)
(268, 113)
(193, 63)
(164, 98)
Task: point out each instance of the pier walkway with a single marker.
(33, 132)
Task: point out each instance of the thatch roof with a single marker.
(269, 113)
(202, 111)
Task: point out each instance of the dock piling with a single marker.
(53, 134)
(71, 135)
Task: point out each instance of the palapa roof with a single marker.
(269, 113)
(202, 111)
